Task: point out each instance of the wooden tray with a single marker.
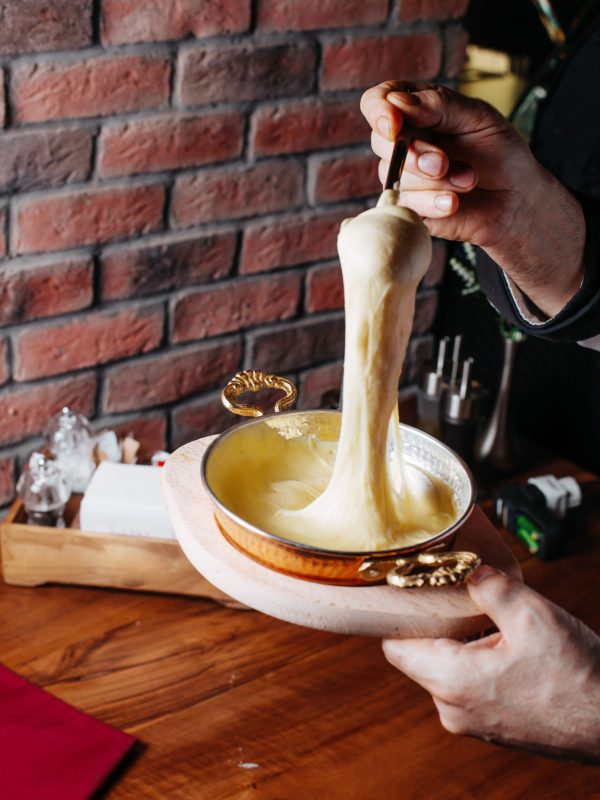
(33, 555)
(369, 610)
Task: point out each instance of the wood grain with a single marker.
(212, 692)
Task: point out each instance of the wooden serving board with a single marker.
(381, 611)
(33, 555)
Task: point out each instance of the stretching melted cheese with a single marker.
(348, 494)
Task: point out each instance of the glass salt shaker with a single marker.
(69, 439)
(44, 491)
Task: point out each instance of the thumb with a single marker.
(442, 110)
(499, 596)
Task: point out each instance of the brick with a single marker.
(150, 430)
(324, 288)
(28, 26)
(296, 345)
(426, 308)
(2, 100)
(293, 240)
(7, 480)
(343, 177)
(43, 159)
(357, 63)
(90, 88)
(304, 15)
(4, 368)
(412, 10)
(125, 21)
(168, 263)
(2, 232)
(234, 73)
(314, 124)
(44, 287)
(198, 418)
(171, 376)
(320, 387)
(231, 193)
(25, 410)
(169, 143)
(234, 306)
(435, 273)
(86, 341)
(90, 216)
(457, 40)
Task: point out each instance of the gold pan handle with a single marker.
(253, 380)
(424, 569)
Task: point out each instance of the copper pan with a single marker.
(430, 562)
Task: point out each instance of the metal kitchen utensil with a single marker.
(398, 158)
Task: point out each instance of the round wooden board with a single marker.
(381, 611)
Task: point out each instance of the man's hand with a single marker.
(534, 685)
(471, 177)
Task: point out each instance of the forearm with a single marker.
(489, 189)
(542, 249)
(579, 319)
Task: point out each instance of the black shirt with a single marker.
(566, 140)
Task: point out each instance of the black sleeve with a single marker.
(580, 318)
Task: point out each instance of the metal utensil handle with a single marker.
(398, 158)
(424, 569)
(253, 380)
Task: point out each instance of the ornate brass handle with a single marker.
(424, 569)
(252, 380)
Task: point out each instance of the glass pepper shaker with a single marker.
(69, 439)
(44, 491)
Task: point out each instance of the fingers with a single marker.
(462, 680)
(459, 179)
(422, 157)
(383, 117)
(427, 203)
(444, 111)
(453, 718)
(435, 664)
(506, 601)
(427, 168)
(437, 108)
(489, 642)
(431, 204)
(387, 117)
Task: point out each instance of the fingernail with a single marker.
(407, 98)
(383, 126)
(463, 179)
(431, 164)
(481, 573)
(443, 202)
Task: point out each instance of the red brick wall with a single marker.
(173, 173)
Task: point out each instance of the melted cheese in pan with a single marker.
(351, 495)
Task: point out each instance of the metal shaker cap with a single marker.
(433, 382)
(459, 402)
(458, 407)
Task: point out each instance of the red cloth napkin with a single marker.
(50, 750)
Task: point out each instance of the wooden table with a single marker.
(232, 704)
